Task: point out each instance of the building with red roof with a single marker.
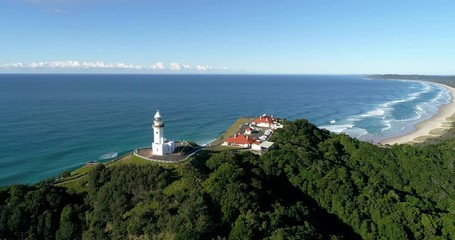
(264, 121)
(239, 140)
(248, 131)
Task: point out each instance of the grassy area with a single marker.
(77, 185)
(129, 159)
(82, 170)
(132, 159)
(447, 135)
(232, 130)
(76, 180)
(74, 176)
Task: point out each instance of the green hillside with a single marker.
(314, 185)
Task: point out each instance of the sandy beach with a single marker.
(433, 127)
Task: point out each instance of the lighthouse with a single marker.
(160, 145)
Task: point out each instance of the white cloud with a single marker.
(175, 66)
(70, 65)
(158, 66)
(100, 65)
(203, 67)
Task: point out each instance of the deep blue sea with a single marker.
(52, 123)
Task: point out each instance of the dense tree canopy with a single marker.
(313, 185)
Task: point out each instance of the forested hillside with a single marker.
(313, 185)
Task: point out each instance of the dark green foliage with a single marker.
(35, 212)
(400, 192)
(313, 185)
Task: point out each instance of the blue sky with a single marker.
(248, 36)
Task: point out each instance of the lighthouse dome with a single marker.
(158, 121)
(157, 114)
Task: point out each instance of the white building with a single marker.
(264, 121)
(260, 146)
(160, 145)
(256, 146)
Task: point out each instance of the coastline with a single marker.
(433, 127)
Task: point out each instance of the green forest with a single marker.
(313, 185)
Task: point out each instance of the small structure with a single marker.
(264, 121)
(256, 146)
(248, 131)
(264, 146)
(239, 140)
(92, 163)
(160, 145)
(277, 125)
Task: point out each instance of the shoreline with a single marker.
(433, 127)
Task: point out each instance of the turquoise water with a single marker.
(51, 123)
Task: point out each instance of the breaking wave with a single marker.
(108, 155)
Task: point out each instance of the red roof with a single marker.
(240, 139)
(264, 119)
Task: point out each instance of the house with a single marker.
(239, 140)
(262, 146)
(248, 131)
(264, 121)
(256, 146)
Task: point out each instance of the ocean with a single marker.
(52, 123)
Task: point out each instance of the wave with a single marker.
(386, 108)
(374, 113)
(427, 87)
(387, 124)
(108, 155)
(382, 120)
(205, 142)
(429, 107)
(442, 97)
(356, 132)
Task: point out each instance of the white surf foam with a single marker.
(356, 132)
(412, 96)
(382, 114)
(109, 155)
(442, 97)
(387, 124)
(374, 113)
(205, 142)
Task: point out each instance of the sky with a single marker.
(229, 36)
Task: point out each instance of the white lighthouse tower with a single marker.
(160, 145)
